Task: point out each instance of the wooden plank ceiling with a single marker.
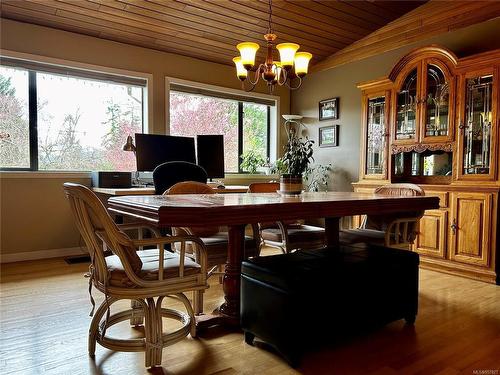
(430, 19)
(210, 29)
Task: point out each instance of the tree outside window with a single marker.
(82, 124)
(192, 115)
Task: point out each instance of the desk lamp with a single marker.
(129, 146)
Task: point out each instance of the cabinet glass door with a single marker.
(477, 125)
(406, 107)
(375, 136)
(436, 103)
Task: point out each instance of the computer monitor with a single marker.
(210, 154)
(153, 150)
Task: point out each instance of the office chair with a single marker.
(168, 174)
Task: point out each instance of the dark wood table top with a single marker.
(245, 208)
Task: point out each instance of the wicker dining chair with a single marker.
(287, 235)
(145, 277)
(214, 238)
(390, 230)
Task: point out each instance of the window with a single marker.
(244, 124)
(14, 119)
(69, 120)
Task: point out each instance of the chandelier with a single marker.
(289, 71)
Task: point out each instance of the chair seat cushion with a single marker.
(217, 248)
(299, 233)
(150, 267)
(287, 223)
(351, 236)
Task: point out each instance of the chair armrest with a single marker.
(284, 233)
(130, 226)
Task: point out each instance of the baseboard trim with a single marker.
(42, 254)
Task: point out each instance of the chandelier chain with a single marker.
(270, 17)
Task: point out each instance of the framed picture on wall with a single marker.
(329, 136)
(329, 109)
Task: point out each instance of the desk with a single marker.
(238, 210)
(151, 190)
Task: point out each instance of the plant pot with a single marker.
(290, 184)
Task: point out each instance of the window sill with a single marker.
(44, 174)
(250, 177)
(80, 174)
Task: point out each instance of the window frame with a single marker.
(272, 114)
(82, 69)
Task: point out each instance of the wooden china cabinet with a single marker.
(434, 122)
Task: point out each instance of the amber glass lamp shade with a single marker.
(301, 63)
(277, 71)
(287, 54)
(247, 53)
(241, 72)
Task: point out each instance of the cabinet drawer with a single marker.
(442, 195)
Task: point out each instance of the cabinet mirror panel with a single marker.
(477, 127)
(375, 136)
(437, 102)
(417, 167)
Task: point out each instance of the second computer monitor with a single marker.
(153, 150)
(210, 154)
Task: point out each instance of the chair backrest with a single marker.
(194, 187)
(168, 174)
(381, 222)
(400, 189)
(92, 218)
(190, 187)
(264, 187)
(270, 187)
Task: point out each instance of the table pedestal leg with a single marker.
(231, 281)
(332, 231)
(228, 313)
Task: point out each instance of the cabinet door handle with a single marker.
(454, 227)
(462, 127)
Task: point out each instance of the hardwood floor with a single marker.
(44, 309)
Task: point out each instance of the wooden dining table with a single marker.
(237, 210)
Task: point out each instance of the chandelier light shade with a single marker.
(241, 72)
(288, 71)
(247, 53)
(287, 54)
(302, 63)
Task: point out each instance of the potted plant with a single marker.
(251, 161)
(298, 155)
(316, 178)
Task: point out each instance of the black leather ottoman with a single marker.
(294, 301)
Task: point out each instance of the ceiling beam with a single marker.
(431, 19)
